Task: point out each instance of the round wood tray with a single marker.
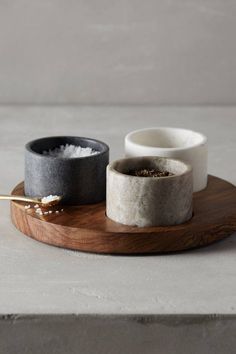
(86, 228)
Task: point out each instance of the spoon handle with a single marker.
(20, 198)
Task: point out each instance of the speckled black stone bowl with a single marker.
(80, 180)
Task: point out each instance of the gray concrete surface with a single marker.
(109, 51)
(39, 282)
(118, 334)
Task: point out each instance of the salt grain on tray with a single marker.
(39, 211)
(70, 151)
(45, 200)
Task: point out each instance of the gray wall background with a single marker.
(118, 51)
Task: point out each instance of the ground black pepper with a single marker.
(146, 172)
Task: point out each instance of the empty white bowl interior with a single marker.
(166, 138)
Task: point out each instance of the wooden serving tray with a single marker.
(86, 228)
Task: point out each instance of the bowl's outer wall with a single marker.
(79, 181)
(196, 156)
(149, 201)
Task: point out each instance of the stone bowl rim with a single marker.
(111, 168)
(28, 147)
(202, 142)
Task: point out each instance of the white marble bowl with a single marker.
(149, 201)
(182, 144)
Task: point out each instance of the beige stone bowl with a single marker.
(149, 201)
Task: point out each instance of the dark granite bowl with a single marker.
(80, 180)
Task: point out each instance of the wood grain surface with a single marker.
(86, 228)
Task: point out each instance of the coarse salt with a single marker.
(45, 200)
(49, 199)
(70, 151)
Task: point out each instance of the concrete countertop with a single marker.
(39, 280)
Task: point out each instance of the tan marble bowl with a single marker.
(149, 201)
